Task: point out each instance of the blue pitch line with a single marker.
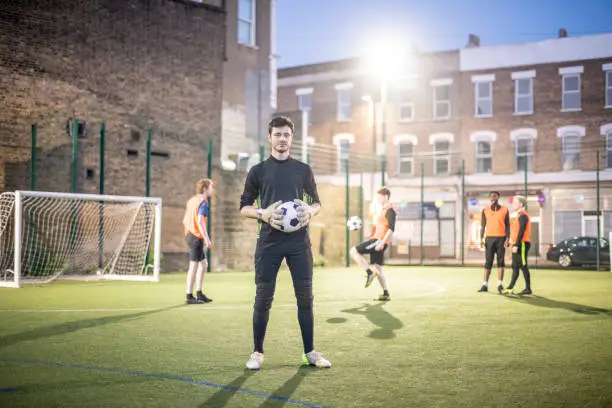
(9, 389)
(160, 377)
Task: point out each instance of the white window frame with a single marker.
(564, 132)
(252, 41)
(301, 93)
(402, 104)
(516, 77)
(337, 140)
(436, 83)
(441, 137)
(524, 134)
(340, 88)
(486, 136)
(606, 131)
(478, 80)
(607, 69)
(405, 139)
(569, 72)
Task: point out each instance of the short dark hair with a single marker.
(280, 121)
(384, 191)
(495, 192)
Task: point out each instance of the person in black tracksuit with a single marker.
(278, 179)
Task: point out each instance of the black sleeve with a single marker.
(390, 216)
(522, 226)
(483, 224)
(251, 189)
(310, 187)
(507, 223)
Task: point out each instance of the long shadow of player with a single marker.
(222, 397)
(279, 397)
(386, 322)
(69, 327)
(555, 304)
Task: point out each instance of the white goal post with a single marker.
(45, 235)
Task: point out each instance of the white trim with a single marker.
(483, 78)
(478, 99)
(578, 69)
(605, 129)
(606, 66)
(517, 95)
(517, 133)
(523, 74)
(483, 136)
(557, 50)
(343, 136)
(304, 91)
(405, 138)
(434, 137)
(344, 85)
(252, 22)
(563, 130)
(309, 79)
(441, 82)
(564, 91)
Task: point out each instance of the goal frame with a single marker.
(18, 232)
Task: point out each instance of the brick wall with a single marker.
(129, 63)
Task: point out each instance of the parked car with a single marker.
(579, 251)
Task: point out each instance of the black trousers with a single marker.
(519, 263)
(268, 259)
(494, 246)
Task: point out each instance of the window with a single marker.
(524, 153)
(570, 84)
(90, 174)
(405, 106)
(405, 156)
(484, 158)
(609, 88)
(442, 104)
(571, 151)
(523, 96)
(305, 104)
(344, 105)
(484, 99)
(609, 150)
(441, 157)
(343, 143)
(246, 22)
(568, 224)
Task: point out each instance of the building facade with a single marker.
(495, 112)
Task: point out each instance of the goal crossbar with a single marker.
(62, 229)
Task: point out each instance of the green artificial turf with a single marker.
(438, 343)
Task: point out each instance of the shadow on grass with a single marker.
(386, 322)
(555, 304)
(287, 389)
(70, 327)
(222, 397)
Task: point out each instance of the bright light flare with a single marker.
(386, 58)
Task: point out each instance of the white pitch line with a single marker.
(199, 308)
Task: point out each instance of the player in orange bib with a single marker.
(382, 231)
(496, 223)
(520, 237)
(198, 241)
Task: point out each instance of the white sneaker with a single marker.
(314, 358)
(255, 361)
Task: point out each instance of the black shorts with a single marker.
(495, 246)
(196, 248)
(376, 257)
(519, 259)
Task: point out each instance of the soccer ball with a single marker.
(290, 219)
(354, 223)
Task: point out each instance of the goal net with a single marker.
(46, 235)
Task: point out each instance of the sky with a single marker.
(311, 31)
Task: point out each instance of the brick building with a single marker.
(174, 66)
(545, 105)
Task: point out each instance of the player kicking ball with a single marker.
(382, 231)
(279, 179)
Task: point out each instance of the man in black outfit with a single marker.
(279, 179)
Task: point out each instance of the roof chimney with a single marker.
(562, 33)
(473, 41)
